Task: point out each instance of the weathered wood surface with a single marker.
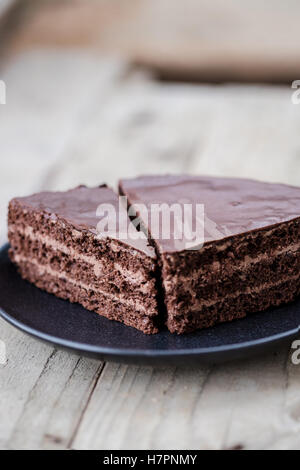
(77, 119)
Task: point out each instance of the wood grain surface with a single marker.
(72, 118)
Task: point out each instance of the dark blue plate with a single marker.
(70, 326)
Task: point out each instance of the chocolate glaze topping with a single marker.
(78, 207)
(232, 206)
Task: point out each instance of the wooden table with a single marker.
(74, 118)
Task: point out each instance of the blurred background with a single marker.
(102, 89)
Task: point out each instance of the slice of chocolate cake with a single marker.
(250, 257)
(56, 244)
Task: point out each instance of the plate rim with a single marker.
(114, 352)
(117, 352)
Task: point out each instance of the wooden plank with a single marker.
(26, 361)
(254, 134)
(144, 127)
(200, 408)
(43, 393)
(223, 130)
(133, 407)
(55, 404)
(242, 404)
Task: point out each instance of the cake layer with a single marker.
(236, 272)
(91, 299)
(236, 306)
(141, 305)
(107, 276)
(83, 242)
(223, 254)
(193, 292)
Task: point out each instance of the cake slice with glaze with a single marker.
(56, 244)
(250, 257)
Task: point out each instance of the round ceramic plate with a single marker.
(70, 326)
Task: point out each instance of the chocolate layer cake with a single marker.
(250, 258)
(56, 244)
